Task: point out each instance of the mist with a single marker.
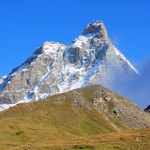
(137, 88)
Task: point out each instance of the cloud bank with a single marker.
(136, 88)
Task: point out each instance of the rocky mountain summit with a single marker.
(55, 68)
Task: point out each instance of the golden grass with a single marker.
(131, 140)
(46, 121)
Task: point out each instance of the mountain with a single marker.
(90, 110)
(55, 68)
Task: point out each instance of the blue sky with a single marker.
(26, 24)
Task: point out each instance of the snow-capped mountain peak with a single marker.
(48, 48)
(55, 68)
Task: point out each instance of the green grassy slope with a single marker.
(65, 116)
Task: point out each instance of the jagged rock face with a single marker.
(97, 27)
(22, 79)
(55, 68)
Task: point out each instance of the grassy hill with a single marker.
(71, 120)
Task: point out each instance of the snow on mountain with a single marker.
(55, 68)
